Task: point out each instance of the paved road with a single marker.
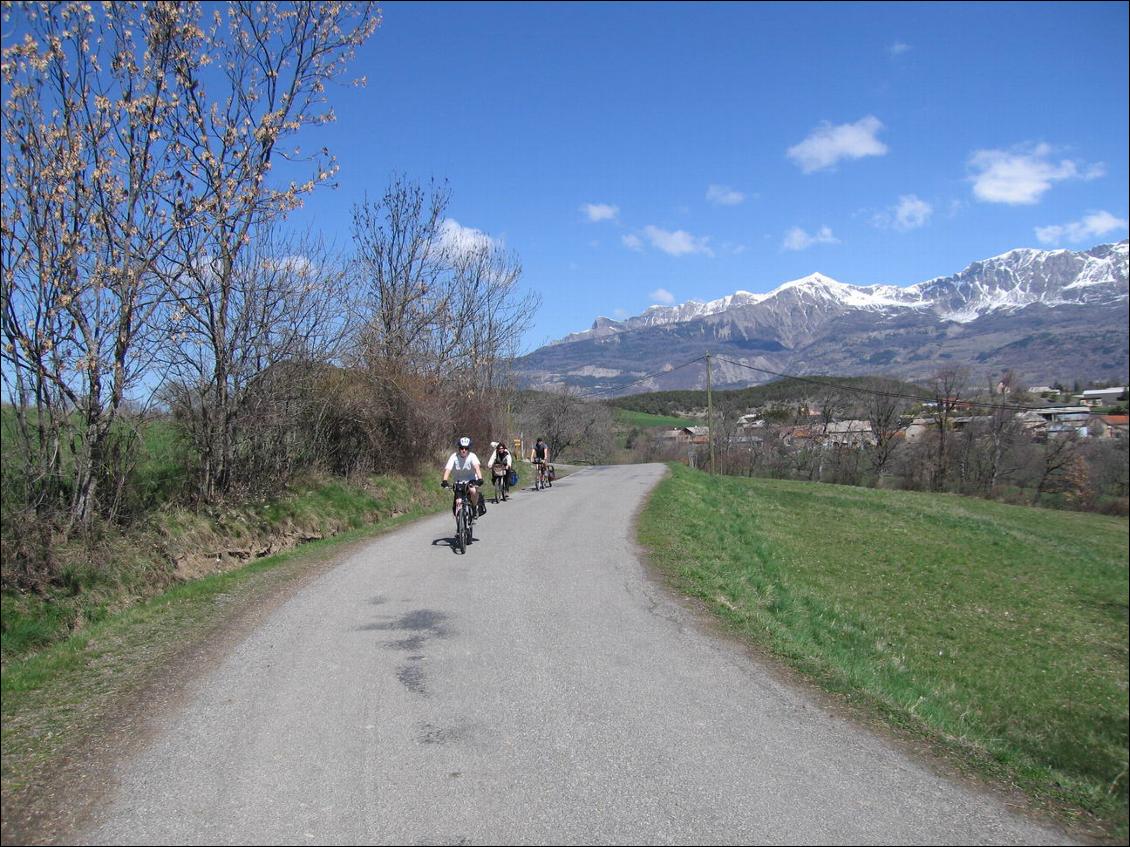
(538, 690)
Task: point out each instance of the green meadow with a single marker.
(996, 633)
(644, 420)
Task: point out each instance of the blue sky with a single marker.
(635, 154)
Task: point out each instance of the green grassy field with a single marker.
(998, 633)
(643, 420)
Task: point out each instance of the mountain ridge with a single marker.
(1049, 313)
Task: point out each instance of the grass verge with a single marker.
(996, 633)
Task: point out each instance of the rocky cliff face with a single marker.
(1046, 314)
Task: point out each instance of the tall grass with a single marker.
(998, 632)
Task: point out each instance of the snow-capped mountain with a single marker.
(1007, 282)
(984, 314)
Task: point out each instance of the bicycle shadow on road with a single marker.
(450, 542)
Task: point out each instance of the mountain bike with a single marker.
(541, 478)
(499, 473)
(464, 515)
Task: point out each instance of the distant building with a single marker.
(699, 434)
(960, 424)
(849, 434)
(1102, 396)
(1110, 426)
(1057, 420)
(685, 435)
(918, 429)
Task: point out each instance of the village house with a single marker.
(849, 434)
(685, 435)
(963, 423)
(673, 436)
(918, 428)
(1102, 396)
(699, 434)
(797, 436)
(1061, 420)
(1110, 426)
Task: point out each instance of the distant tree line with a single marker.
(972, 443)
(778, 392)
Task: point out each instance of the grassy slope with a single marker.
(643, 420)
(107, 574)
(998, 632)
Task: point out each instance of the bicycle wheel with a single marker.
(497, 489)
(460, 538)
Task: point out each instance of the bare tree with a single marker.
(245, 81)
(403, 268)
(1002, 433)
(285, 314)
(88, 170)
(442, 307)
(884, 414)
(947, 385)
(1057, 455)
(572, 427)
(486, 279)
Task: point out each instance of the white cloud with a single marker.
(723, 195)
(1094, 225)
(677, 243)
(600, 212)
(632, 242)
(1020, 176)
(797, 239)
(460, 240)
(898, 48)
(662, 295)
(298, 265)
(829, 144)
(909, 213)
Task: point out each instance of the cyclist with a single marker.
(539, 455)
(465, 466)
(500, 463)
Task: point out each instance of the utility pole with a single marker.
(709, 415)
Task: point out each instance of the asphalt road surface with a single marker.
(539, 689)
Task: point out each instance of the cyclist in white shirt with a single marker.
(464, 466)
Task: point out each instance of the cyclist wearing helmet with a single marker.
(464, 465)
(539, 456)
